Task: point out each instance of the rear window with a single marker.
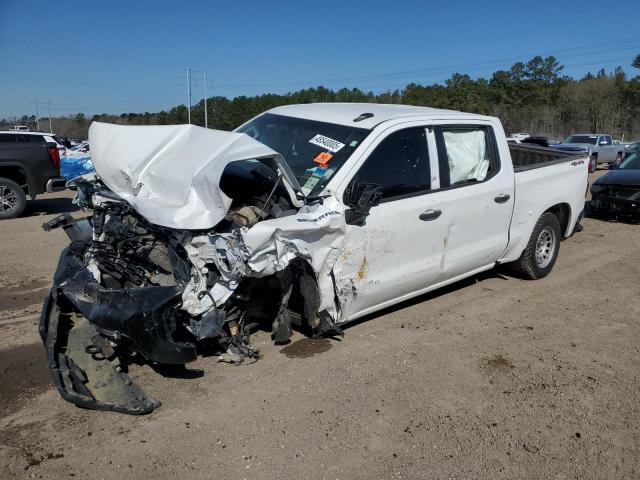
(30, 138)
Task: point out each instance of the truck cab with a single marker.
(447, 197)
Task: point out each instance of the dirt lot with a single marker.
(494, 378)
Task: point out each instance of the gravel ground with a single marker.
(495, 377)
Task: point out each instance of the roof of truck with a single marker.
(346, 113)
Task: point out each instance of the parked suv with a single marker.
(29, 165)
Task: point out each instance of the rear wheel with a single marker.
(541, 252)
(12, 199)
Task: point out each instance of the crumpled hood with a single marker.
(626, 177)
(171, 174)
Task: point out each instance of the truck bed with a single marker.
(527, 157)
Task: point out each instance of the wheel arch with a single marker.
(563, 212)
(19, 175)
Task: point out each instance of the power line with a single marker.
(137, 104)
(169, 94)
(434, 78)
(598, 48)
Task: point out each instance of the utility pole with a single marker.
(204, 81)
(189, 92)
(37, 117)
(50, 127)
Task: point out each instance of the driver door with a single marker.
(395, 253)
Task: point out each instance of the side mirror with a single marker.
(360, 197)
(603, 142)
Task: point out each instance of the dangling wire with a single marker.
(269, 197)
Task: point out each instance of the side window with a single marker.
(7, 138)
(466, 155)
(607, 139)
(400, 163)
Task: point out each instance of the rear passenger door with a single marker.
(476, 198)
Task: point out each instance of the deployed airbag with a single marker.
(467, 155)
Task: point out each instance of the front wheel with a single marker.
(12, 199)
(541, 252)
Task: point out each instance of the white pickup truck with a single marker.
(307, 215)
(600, 147)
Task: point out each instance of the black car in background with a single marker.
(618, 192)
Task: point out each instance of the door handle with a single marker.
(502, 198)
(430, 215)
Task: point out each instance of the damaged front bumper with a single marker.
(128, 291)
(86, 374)
(618, 205)
(80, 324)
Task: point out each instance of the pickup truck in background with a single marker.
(307, 215)
(30, 167)
(598, 146)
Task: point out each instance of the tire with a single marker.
(12, 199)
(541, 252)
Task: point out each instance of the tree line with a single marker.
(531, 97)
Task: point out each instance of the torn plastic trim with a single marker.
(315, 234)
(81, 379)
(144, 315)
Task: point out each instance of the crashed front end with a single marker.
(174, 260)
(616, 200)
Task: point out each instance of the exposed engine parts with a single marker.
(127, 290)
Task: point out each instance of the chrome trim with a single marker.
(56, 184)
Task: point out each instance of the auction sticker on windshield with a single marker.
(326, 142)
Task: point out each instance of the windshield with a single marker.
(631, 161)
(581, 139)
(313, 150)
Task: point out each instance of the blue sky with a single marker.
(121, 56)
